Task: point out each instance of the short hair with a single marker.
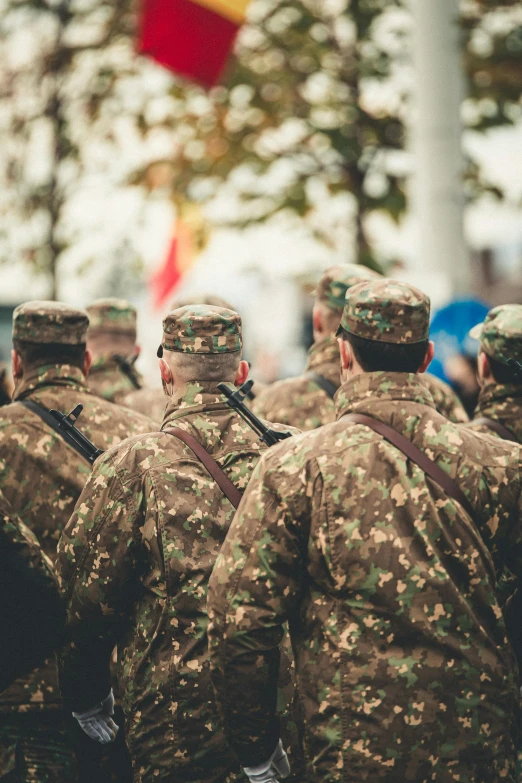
(204, 366)
(504, 374)
(376, 356)
(38, 354)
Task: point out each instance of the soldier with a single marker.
(307, 402)
(152, 401)
(137, 554)
(403, 665)
(42, 476)
(499, 406)
(111, 341)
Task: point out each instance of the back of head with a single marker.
(387, 324)
(500, 338)
(112, 327)
(331, 291)
(46, 332)
(202, 343)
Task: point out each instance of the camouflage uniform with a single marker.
(501, 339)
(40, 475)
(113, 377)
(301, 402)
(149, 402)
(135, 560)
(403, 666)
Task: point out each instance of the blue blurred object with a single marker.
(450, 332)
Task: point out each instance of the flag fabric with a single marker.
(191, 37)
(179, 259)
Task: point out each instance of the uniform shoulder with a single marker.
(144, 452)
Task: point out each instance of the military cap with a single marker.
(336, 281)
(202, 329)
(112, 315)
(500, 335)
(387, 311)
(50, 322)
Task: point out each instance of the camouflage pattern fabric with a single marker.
(387, 311)
(34, 749)
(202, 329)
(107, 379)
(299, 402)
(446, 400)
(147, 592)
(335, 282)
(112, 315)
(50, 322)
(42, 478)
(149, 402)
(403, 666)
(502, 403)
(501, 333)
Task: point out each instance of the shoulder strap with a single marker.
(496, 426)
(417, 456)
(227, 487)
(327, 386)
(51, 422)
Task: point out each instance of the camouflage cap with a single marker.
(387, 311)
(202, 329)
(336, 281)
(50, 322)
(116, 316)
(500, 335)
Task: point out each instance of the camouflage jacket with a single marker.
(109, 380)
(446, 400)
(300, 402)
(502, 404)
(42, 477)
(403, 666)
(24, 564)
(134, 561)
(149, 402)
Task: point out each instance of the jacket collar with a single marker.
(494, 394)
(364, 392)
(324, 358)
(194, 397)
(50, 375)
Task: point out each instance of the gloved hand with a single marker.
(97, 722)
(276, 767)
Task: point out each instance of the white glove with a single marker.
(97, 722)
(277, 765)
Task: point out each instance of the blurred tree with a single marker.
(493, 65)
(307, 118)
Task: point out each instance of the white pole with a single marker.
(437, 193)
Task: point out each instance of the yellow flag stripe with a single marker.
(234, 10)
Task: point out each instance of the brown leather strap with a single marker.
(497, 427)
(226, 486)
(417, 456)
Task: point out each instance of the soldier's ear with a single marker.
(430, 353)
(87, 361)
(165, 372)
(16, 364)
(242, 373)
(346, 354)
(484, 368)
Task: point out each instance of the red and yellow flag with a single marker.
(191, 37)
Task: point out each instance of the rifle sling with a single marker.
(51, 422)
(496, 426)
(327, 386)
(417, 456)
(224, 483)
